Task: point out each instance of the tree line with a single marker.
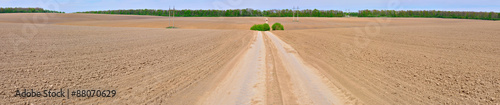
(26, 10)
(430, 13)
(280, 13)
(225, 13)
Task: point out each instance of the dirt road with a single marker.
(245, 83)
(298, 82)
(307, 84)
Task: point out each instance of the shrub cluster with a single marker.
(261, 27)
(278, 26)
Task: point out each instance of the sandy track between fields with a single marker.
(307, 84)
(245, 83)
(299, 84)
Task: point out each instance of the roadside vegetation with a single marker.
(430, 14)
(261, 27)
(277, 26)
(26, 10)
(226, 13)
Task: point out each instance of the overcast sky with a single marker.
(69, 6)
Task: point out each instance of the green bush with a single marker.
(278, 26)
(266, 27)
(254, 27)
(260, 27)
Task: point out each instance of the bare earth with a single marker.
(218, 61)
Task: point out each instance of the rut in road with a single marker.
(248, 81)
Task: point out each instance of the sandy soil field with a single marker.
(408, 61)
(219, 61)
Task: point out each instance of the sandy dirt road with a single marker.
(307, 84)
(246, 82)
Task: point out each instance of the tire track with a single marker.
(245, 83)
(284, 80)
(308, 85)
